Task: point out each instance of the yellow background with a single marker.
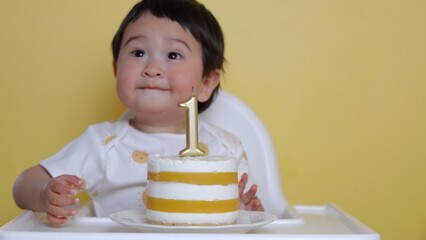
(340, 85)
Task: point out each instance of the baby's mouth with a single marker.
(152, 88)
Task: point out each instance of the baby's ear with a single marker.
(208, 84)
(114, 67)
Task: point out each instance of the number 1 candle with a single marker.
(192, 149)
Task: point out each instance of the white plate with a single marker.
(246, 221)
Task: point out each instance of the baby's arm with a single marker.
(248, 200)
(36, 190)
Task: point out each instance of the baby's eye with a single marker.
(138, 53)
(174, 55)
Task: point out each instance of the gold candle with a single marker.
(192, 149)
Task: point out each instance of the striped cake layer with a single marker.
(207, 164)
(192, 206)
(198, 178)
(192, 191)
(191, 219)
(183, 191)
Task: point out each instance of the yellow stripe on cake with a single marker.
(190, 206)
(200, 178)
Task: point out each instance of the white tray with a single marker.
(317, 222)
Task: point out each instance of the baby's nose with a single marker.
(153, 69)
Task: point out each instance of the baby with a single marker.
(164, 52)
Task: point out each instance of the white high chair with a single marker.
(231, 114)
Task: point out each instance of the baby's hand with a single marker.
(58, 194)
(248, 200)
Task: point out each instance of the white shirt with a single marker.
(112, 158)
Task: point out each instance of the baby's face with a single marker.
(159, 66)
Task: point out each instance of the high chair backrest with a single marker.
(230, 113)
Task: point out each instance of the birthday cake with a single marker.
(193, 191)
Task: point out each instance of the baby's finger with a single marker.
(66, 184)
(60, 212)
(81, 184)
(250, 194)
(61, 187)
(73, 181)
(56, 220)
(242, 183)
(61, 199)
(254, 205)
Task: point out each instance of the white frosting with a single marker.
(182, 191)
(192, 218)
(173, 163)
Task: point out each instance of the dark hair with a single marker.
(191, 15)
